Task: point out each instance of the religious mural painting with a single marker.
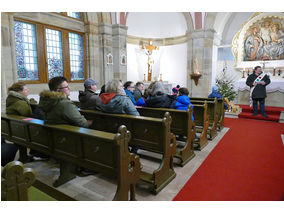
(264, 40)
(260, 41)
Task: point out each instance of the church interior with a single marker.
(239, 159)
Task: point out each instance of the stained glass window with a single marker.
(54, 53)
(75, 15)
(26, 51)
(77, 59)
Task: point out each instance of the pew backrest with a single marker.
(103, 152)
(147, 133)
(181, 119)
(211, 108)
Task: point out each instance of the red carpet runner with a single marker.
(246, 165)
(272, 112)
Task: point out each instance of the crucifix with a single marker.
(148, 51)
(263, 64)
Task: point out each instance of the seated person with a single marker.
(182, 101)
(158, 98)
(148, 91)
(175, 90)
(139, 87)
(114, 100)
(129, 89)
(216, 94)
(17, 102)
(8, 152)
(56, 106)
(88, 98)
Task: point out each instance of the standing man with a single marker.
(257, 82)
(89, 99)
(56, 106)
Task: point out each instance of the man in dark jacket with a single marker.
(89, 99)
(57, 108)
(139, 87)
(257, 82)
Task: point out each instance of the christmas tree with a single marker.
(225, 85)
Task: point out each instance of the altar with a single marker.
(275, 92)
(167, 86)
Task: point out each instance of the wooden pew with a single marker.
(103, 152)
(181, 125)
(151, 134)
(16, 185)
(212, 115)
(220, 110)
(15, 181)
(201, 121)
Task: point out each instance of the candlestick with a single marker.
(144, 78)
(248, 71)
(279, 72)
(274, 71)
(243, 74)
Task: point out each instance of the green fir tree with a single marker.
(225, 85)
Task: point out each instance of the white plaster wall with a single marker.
(156, 24)
(170, 61)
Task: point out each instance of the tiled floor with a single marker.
(99, 187)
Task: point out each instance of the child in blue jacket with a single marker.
(182, 101)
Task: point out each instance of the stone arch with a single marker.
(186, 15)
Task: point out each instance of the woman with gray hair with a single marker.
(158, 98)
(114, 100)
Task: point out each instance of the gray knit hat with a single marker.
(89, 82)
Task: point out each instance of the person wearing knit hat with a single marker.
(88, 98)
(216, 94)
(175, 90)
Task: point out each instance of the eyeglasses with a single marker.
(64, 87)
(131, 87)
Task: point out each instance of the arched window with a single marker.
(43, 52)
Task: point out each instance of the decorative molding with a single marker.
(158, 41)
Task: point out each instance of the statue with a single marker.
(148, 51)
(196, 66)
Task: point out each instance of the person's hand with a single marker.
(254, 83)
(262, 83)
(90, 122)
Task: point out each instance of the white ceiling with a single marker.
(156, 24)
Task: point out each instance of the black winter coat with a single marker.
(160, 101)
(89, 100)
(259, 90)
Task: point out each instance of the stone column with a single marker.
(200, 46)
(119, 33)
(105, 39)
(95, 65)
(8, 60)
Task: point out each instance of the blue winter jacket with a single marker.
(130, 95)
(216, 94)
(182, 103)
